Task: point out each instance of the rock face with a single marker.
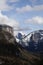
(6, 34)
(8, 46)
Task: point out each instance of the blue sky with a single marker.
(23, 13)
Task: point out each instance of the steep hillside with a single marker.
(13, 54)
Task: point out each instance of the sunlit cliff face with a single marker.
(6, 28)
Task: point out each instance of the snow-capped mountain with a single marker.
(33, 41)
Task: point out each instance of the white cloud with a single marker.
(29, 8)
(38, 7)
(5, 20)
(36, 20)
(13, 0)
(4, 5)
(24, 9)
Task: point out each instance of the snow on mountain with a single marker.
(31, 41)
(19, 36)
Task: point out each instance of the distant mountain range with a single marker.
(32, 42)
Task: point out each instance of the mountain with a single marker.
(13, 53)
(33, 41)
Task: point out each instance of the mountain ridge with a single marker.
(33, 40)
